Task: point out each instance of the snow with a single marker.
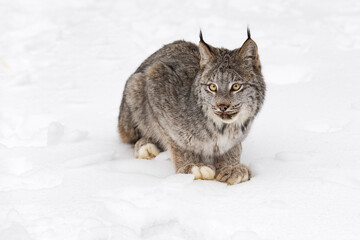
(64, 174)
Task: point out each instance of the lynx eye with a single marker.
(212, 87)
(236, 87)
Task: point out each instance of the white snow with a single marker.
(64, 174)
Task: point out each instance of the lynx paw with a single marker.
(148, 151)
(203, 172)
(206, 172)
(234, 174)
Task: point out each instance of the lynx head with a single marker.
(230, 83)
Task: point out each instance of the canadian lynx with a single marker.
(197, 101)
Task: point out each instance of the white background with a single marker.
(64, 174)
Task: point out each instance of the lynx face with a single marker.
(227, 95)
(232, 87)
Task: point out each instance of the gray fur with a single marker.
(167, 102)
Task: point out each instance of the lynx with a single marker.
(198, 102)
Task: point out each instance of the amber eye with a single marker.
(235, 87)
(212, 87)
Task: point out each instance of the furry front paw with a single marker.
(234, 174)
(200, 171)
(148, 151)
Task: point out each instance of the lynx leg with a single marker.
(229, 169)
(190, 163)
(145, 149)
(126, 127)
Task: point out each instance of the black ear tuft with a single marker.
(201, 37)
(248, 32)
(202, 41)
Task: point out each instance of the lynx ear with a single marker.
(249, 51)
(206, 54)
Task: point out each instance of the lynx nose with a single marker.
(223, 107)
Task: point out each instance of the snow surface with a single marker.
(64, 174)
